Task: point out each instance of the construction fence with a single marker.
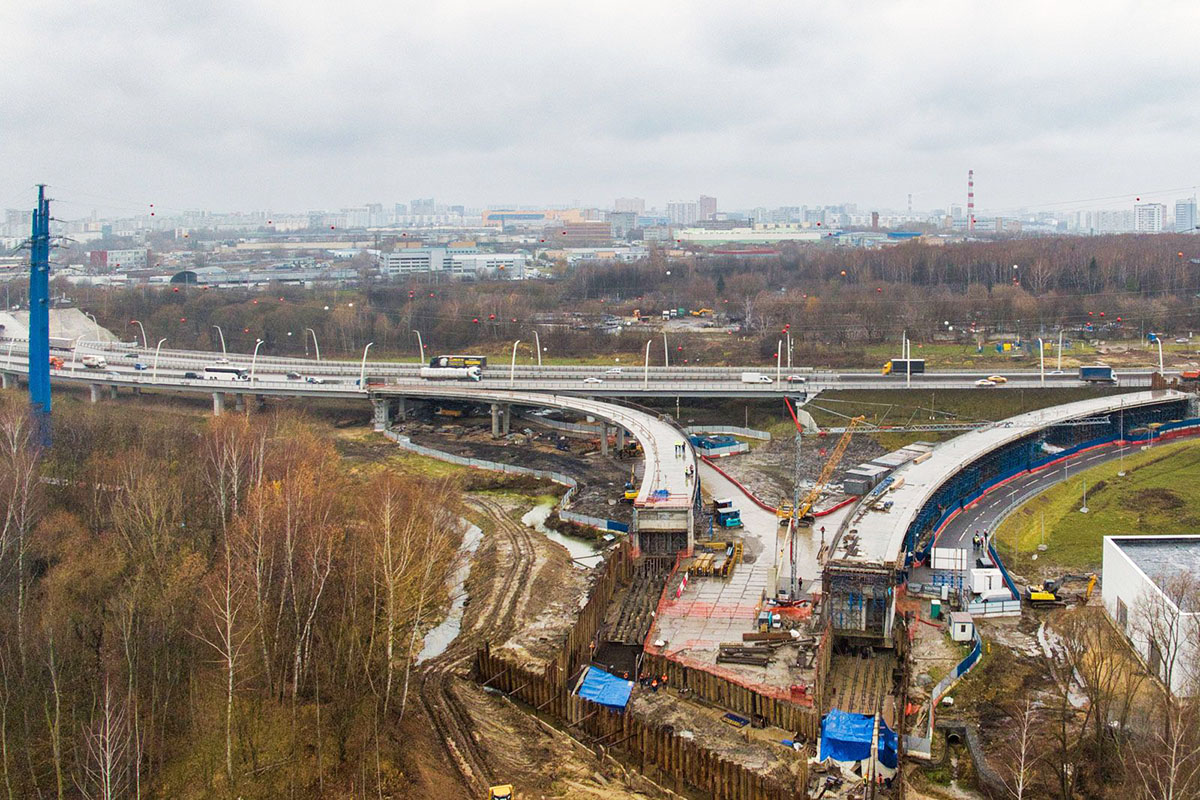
(661, 752)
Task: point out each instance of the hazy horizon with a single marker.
(290, 107)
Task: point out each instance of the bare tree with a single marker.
(106, 770)
(1022, 755)
(20, 455)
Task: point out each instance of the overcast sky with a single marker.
(290, 106)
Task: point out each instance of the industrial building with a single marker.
(1151, 590)
(460, 262)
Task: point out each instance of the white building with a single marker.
(1151, 590)
(683, 213)
(462, 262)
(1149, 217)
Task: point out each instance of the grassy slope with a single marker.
(1159, 494)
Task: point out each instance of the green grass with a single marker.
(1160, 494)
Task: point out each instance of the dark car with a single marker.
(195, 376)
(139, 366)
(293, 376)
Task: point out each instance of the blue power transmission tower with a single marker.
(39, 316)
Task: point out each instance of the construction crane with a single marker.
(800, 511)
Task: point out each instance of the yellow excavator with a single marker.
(631, 489)
(504, 792)
(1050, 593)
(784, 512)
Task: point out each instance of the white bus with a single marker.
(226, 374)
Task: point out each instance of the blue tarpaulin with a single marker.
(607, 690)
(847, 737)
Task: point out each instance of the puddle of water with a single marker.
(440, 637)
(578, 548)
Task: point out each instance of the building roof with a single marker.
(961, 617)
(880, 535)
(1161, 558)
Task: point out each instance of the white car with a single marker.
(984, 382)
(795, 379)
(613, 371)
(593, 380)
(1182, 340)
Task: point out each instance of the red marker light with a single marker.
(245, 330)
(183, 319)
(491, 316)
(1102, 313)
(476, 320)
(176, 290)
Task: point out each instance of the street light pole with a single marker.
(316, 346)
(93, 317)
(645, 369)
(138, 322)
(254, 358)
(512, 367)
(1042, 359)
(221, 334)
(778, 359)
(537, 340)
(74, 349)
(1060, 333)
(1158, 340)
(666, 350)
(154, 373)
(362, 371)
(420, 345)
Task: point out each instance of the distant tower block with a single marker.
(910, 204)
(970, 199)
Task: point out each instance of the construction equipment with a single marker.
(1050, 592)
(56, 362)
(631, 491)
(726, 515)
(803, 513)
(504, 792)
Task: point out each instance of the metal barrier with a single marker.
(921, 746)
(733, 430)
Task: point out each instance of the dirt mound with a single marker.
(1157, 499)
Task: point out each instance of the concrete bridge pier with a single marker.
(401, 409)
(620, 437)
(95, 388)
(112, 392)
(501, 419)
(382, 412)
(603, 440)
(218, 404)
(239, 402)
(6, 381)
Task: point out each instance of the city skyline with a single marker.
(274, 106)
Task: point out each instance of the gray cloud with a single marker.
(293, 106)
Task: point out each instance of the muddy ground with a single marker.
(601, 478)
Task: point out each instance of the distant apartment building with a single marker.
(683, 213)
(459, 262)
(400, 209)
(707, 207)
(635, 205)
(118, 259)
(1149, 217)
(423, 207)
(623, 223)
(578, 234)
(1185, 214)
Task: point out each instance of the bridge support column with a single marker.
(6, 381)
(603, 440)
(95, 387)
(496, 420)
(382, 409)
(112, 392)
(218, 404)
(620, 437)
(506, 410)
(401, 409)
(239, 402)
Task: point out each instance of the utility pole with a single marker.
(39, 316)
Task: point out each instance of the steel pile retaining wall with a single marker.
(658, 748)
(513, 469)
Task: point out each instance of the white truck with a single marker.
(452, 373)
(94, 362)
(755, 377)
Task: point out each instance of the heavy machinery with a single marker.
(805, 516)
(504, 792)
(631, 490)
(1050, 593)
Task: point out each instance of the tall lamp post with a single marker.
(1042, 359)
(645, 369)
(74, 348)
(254, 358)
(154, 373)
(362, 371)
(221, 334)
(420, 345)
(93, 318)
(512, 367)
(138, 322)
(666, 349)
(537, 340)
(1158, 341)
(316, 346)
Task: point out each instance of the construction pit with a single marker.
(721, 696)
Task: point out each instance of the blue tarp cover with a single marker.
(607, 690)
(847, 737)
